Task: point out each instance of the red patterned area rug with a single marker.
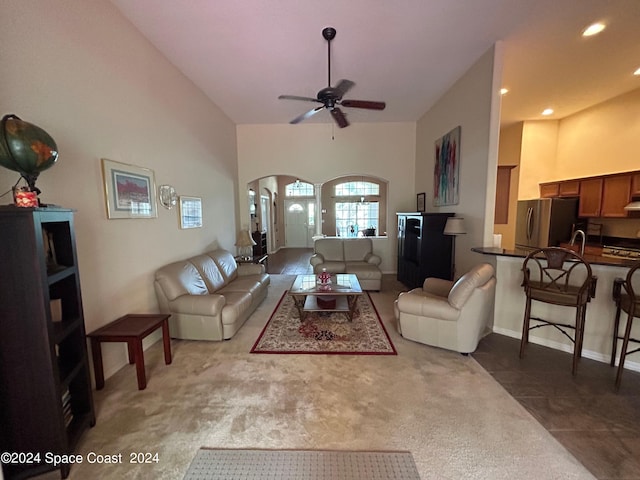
(325, 332)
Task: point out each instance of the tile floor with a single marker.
(600, 427)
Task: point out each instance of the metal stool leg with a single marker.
(625, 346)
(525, 326)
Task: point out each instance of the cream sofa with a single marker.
(209, 296)
(447, 314)
(348, 255)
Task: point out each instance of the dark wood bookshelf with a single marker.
(46, 399)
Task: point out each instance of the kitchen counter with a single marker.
(510, 302)
(522, 253)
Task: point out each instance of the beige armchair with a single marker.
(447, 314)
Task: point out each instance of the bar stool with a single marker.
(629, 302)
(558, 276)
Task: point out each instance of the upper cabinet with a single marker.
(565, 188)
(569, 188)
(549, 190)
(616, 193)
(635, 184)
(590, 198)
(602, 196)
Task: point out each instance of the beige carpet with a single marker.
(457, 422)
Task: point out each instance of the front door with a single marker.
(297, 230)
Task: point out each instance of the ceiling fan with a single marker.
(331, 97)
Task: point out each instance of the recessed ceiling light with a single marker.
(593, 29)
(547, 111)
(506, 90)
(637, 72)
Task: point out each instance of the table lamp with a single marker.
(245, 242)
(454, 226)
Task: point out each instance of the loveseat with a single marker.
(209, 296)
(348, 255)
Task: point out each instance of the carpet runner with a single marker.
(325, 332)
(232, 464)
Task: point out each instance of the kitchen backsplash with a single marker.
(619, 227)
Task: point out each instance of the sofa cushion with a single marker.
(237, 304)
(330, 249)
(181, 278)
(356, 249)
(209, 271)
(331, 267)
(364, 271)
(247, 283)
(226, 263)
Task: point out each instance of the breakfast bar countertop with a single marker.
(522, 253)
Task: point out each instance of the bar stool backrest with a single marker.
(559, 276)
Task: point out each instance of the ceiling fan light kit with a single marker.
(331, 97)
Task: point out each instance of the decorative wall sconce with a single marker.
(167, 196)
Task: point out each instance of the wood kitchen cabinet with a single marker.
(635, 184)
(616, 193)
(602, 196)
(590, 197)
(549, 190)
(503, 191)
(570, 188)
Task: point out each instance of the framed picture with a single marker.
(421, 202)
(129, 191)
(190, 212)
(446, 175)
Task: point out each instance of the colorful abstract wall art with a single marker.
(446, 175)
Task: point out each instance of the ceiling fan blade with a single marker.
(339, 117)
(343, 87)
(363, 104)
(296, 97)
(306, 115)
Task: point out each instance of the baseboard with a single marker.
(590, 354)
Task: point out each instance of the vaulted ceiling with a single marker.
(245, 53)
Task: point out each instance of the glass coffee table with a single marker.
(340, 295)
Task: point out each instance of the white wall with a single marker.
(82, 72)
(473, 103)
(320, 152)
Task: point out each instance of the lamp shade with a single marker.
(454, 226)
(244, 239)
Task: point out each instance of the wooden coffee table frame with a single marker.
(132, 328)
(344, 288)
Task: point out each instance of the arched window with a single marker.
(357, 207)
(299, 189)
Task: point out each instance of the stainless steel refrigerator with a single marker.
(545, 222)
